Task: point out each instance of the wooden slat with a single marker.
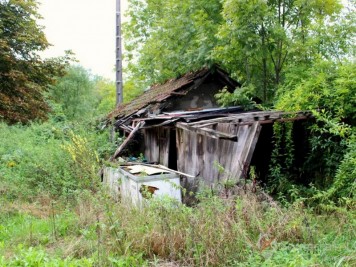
(151, 137)
(249, 147)
(207, 132)
(216, 120)
(127, 140)
(164, 141)
(249, 118)
(206, 124)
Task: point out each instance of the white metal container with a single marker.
(111, 180)
(134, 188)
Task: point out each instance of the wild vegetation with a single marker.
(24, 76)
(293, 55)
(259, 42)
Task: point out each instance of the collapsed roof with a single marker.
(157, 95)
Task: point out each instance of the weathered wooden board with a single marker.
(249, 118)
(151, 139)
(157, 142)
(207, 132)
(245, 156)
(164, 140)
(111, 181)
(202, 155)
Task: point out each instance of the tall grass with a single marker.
(34, 160)
(241, 231)
(54, 213)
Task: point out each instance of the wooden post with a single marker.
(119, 86)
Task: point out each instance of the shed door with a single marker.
(157, 145)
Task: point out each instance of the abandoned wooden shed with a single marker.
(193, 91)
(184, 129)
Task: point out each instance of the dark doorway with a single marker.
(262, 155)
(172, 160)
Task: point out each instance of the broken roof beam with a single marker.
(179, 93)
(249, 118)
(165, 123)
(214, 121)
(207, 124)
(275, 120)
(125, 128)
(127, 140)
(207, 132)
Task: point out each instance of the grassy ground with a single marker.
(91, 230)
(53, 213)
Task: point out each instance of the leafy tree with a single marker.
(107, 94)
(327, 86)
(257, 41)
(24, 76)
(262, 40)
(329, 89)
(76, 93)
(167, 38)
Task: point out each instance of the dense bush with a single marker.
(329, 90)
(45, 158)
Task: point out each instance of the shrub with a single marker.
(33, 161)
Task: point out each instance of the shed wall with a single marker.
(157, 145)
(215, 160)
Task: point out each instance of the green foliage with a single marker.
(245, 231)
(107, 93)
(326, 86)
(240, 97)
(282, 160)
(329, 89)
(131, 91)
(261, 40)
(85, 160)
(344, 186)
(34, 159)
(168, 38)
(79, 95)
(258, 42)
(37, 257)
(76, 93)
(24, 76)
(283, 255)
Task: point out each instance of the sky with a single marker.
(87, 27)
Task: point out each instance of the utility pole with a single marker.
(119, 86)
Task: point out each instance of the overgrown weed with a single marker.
(54, 213)
(245, 230)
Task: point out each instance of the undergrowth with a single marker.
(55, 213)
(247, 230)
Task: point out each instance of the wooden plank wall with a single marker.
(199, 155)
(157, 145)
